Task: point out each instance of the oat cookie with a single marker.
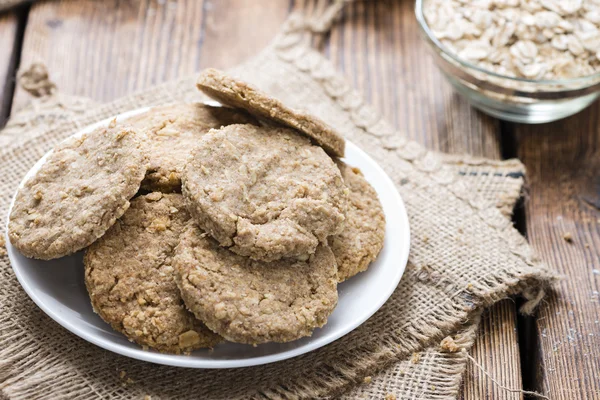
(172, 131)
(265, 192)
(130, 277)
(362, 238)
(78, 193)
(254, 302)
(239, 94)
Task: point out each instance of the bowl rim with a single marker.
(420, 16)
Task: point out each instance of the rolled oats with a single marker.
(533, 39)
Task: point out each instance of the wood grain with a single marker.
(107, 49)
(235, 30)
(497, 350)
(563, 163)
(9, 49)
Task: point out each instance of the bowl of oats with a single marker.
(531, 61)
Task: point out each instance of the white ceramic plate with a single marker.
(58, 288)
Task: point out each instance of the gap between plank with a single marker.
(529, 351)
(526, 325)
(14, 64)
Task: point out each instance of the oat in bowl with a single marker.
(524, 61)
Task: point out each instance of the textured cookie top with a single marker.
(239, 94)
(253, 302)
(78, 193)
(172, 131)
(130, 277)
(362, 239)
(265, 192)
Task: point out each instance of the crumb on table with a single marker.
(448, 345)
(416, 357)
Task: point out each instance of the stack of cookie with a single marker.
(203, 224)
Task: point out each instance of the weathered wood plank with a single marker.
(106, 49)
(235, 30)
(497, 350)
(9, 49)
(379, 49)
(563, 163)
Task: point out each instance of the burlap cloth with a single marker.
(465, 255)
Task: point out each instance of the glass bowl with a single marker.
(508, 98)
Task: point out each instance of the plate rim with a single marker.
(183, 360)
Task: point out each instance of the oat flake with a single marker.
(534, 39)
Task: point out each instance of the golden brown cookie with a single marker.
(265, 192)
(78, 193)
(362, 239)
(253, 302)
(173, 130)
(130, 277)
(236, 93)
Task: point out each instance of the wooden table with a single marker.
(106, 49)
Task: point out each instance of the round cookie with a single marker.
(362, 238)
(131, 280)
(173, 130)
(236, 93)
(265, 192)
(78, 193)
(254, 302)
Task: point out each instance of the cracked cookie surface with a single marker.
(236, 93)
(131, 280)
(253, 302)
(265, 192)
(362, 239)
(78, 193)
(172, 131)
